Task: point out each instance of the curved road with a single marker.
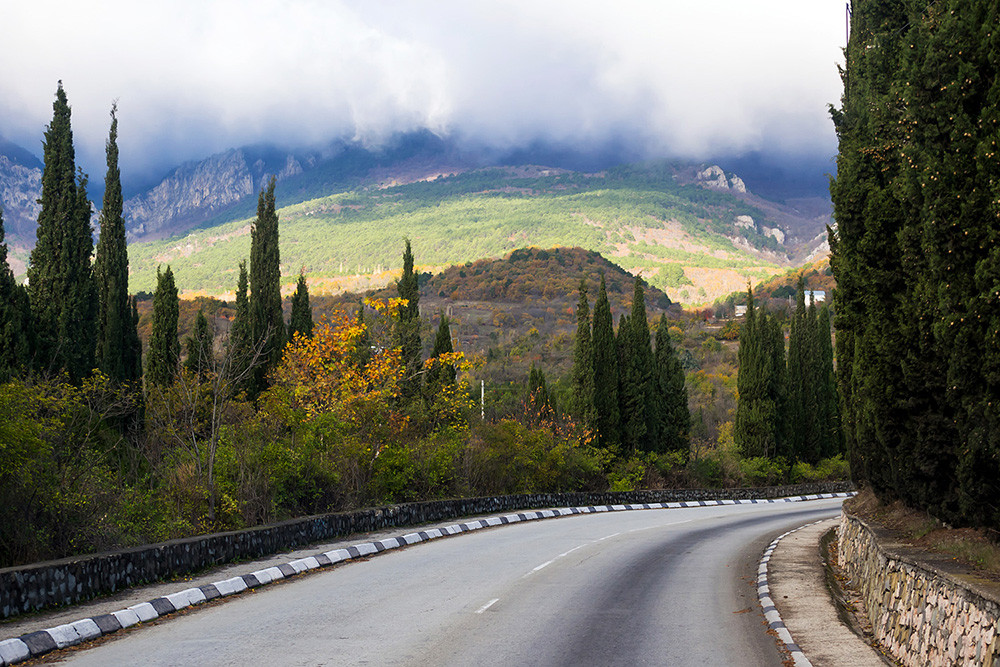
(649, 587)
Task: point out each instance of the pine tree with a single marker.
(60, 278)
(114, 320)
(583, 363)
(200, 356)
(267, 324)
(164, 347)
(605, 373)
(408, 326)
(15, 318)
(671, 405)
(301, 321)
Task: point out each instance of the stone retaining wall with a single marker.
(61, 582)
(923, 608)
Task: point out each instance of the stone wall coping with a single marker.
(619, 496)
(36, 586)
(931, 564)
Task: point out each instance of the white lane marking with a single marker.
(601, 539)
(566, 553)
(487, 605)
(661, 525)
(548, 562)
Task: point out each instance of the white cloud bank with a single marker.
(193, 77)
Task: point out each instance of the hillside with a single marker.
(694, 242)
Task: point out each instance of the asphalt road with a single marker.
(650, 587)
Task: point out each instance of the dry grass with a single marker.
(969, 546)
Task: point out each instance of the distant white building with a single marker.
(819, 296)
(741, 311)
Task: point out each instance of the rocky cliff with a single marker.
(20, 188)
(196, 191)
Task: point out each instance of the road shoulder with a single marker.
(797, 581)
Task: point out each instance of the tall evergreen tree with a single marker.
(363, 346)
(439, 374)
(239, 345)
(408, 326)
(15, 318)
(639, 429)
(60, 277)
(114, 318)
(267, 324)
(200, 356)
(539, 402)
(758, 428)
(826, 389)
(802, 404)
(605, 373)
(583, 363)
(164, 347)
(301, 320)
(133, 356)
(671, 405)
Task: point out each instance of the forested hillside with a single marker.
(695, 243)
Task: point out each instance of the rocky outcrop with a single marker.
(745, 222)
(20, 189)
(197, 191)
(716, 179)
(775, 233)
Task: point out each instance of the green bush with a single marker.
(762, 471)
(834, 469)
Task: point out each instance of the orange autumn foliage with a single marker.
(331, 372)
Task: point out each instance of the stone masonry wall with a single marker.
(61, 582)
(921, 612)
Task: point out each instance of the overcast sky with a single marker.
(193, 77)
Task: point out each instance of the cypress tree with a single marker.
(15, 318)
(133, 356)
(758, 429)
(671, 405)
(803, 376)
(540, 404)
(200, 356)
(826, 389)
(639, 428)
(239, 346)
(408, 326)
(438, 374)
(301, 321)
(114, 320)
(267, 324)
(605, 373)
(60, 277)
(164, 347)
(583, 363)
(363, 347)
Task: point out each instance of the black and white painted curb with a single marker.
(34, 644)
(767, 604)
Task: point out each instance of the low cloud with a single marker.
(192, 78)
